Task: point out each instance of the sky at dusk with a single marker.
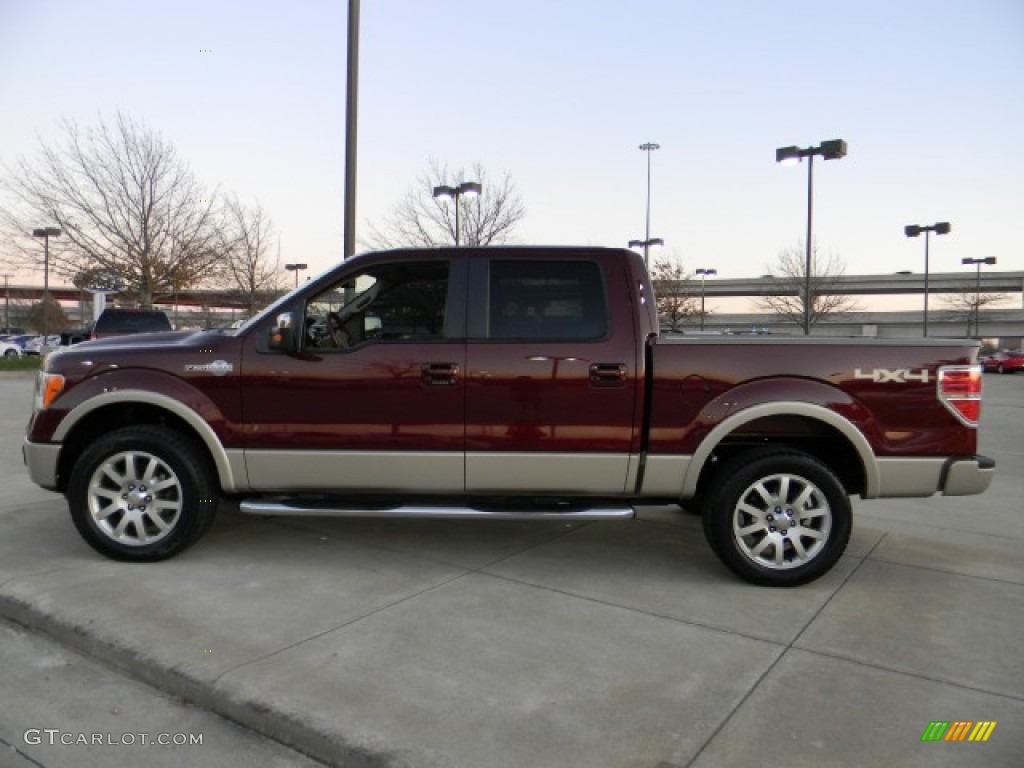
(559, 94)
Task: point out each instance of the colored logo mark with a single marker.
(958, 730)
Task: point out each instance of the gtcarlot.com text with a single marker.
(55, 736)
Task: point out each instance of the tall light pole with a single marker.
(703, 273)
(913, 230)
(46, 233)
(649, 147)
(296, 268)
(351, 123)
(467, 188)
(7, 304)
(830, 150)
(990, 260)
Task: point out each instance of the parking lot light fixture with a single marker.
(648, 147)
(989, 260)
(465, 189)
(646, 245)
(296, 268)
(829, 150)
(913, 230)
(46, 233)
(703, 274)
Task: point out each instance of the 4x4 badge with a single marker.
(897, 375)
(217, 367)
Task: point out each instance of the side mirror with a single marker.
(282, 334)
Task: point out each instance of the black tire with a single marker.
(142, 494)
(770, 540)
(1001, 369)
(11, 353)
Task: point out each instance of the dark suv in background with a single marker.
(121, 322)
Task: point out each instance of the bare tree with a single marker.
(47, 314)
(421, 219)
(672, 295)
(127, 206)
(784, 295)
(249, 269)
(966, 306)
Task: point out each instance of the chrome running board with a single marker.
(296, 509)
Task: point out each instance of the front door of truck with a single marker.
(551, 388)
(373, 401)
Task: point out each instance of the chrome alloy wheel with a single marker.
(134, 498)
(781, 521)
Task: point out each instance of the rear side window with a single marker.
(546, 300)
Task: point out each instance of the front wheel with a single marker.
(142, 493)
(778, 517)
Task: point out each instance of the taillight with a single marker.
(959, 389)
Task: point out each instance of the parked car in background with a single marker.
(1003, 362)
(70, 336)
(124, 322)
(9, 350)
(34, 344)
(22, 341)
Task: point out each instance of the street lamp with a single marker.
(7, 304)
(645, 244)
(913, 230)
(296, 268)
(46, 234)
(649, 147)
(704, 273)
(829, 150)
(990, 260)
(469, 188)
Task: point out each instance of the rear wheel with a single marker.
(142, 493)
(11, 353)
(777, 517)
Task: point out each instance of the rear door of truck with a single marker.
(551, 379)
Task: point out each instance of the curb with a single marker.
(245, 711)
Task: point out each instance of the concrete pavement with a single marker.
(480, 644)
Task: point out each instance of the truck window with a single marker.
(388, 302)
(546, 300)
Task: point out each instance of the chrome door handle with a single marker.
(608, 374)
(439, 374)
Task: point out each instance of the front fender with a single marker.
(161, 390)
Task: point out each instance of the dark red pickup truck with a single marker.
(527, 383)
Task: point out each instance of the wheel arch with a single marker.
(813, 429)
(100, 414)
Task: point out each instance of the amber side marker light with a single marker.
(959, 389)
(51, 385)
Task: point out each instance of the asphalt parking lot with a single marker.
(493, 644)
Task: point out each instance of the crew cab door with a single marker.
(377, 406)
(551, 382)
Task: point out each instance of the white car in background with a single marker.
(9, 350)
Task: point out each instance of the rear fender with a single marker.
(732, 410)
